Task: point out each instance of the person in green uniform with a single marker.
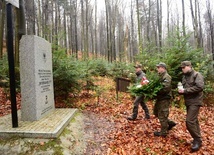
(163, 100)
(193, 85)
(139, 99)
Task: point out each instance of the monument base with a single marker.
(50, 126)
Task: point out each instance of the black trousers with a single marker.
(192, 123)
(140, 100)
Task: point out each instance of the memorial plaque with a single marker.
(37, 97)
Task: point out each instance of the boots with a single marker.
(171, 125)
(131, 118)
(147, 116)
(195, 146)
(157, 133)
(146, 110)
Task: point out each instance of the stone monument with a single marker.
(37, 95)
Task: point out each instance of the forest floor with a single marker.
(101, 128)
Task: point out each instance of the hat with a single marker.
(138, 66)
(161, 64)
(186, 63)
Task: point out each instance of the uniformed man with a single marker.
(139, 99)
(161, 108)
(193, 85)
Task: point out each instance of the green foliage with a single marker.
(178, 51)
(65, 75)
(100, 67)
(72, 76)
(87, 71)
(209, 87)
(121, 69)
(150, 90)
(4, 74)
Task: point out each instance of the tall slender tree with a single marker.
(107, 29)
(183, 20)
(20, 28)
(194, 22)
(139, 26)
(95, 30)
(159, 24)
(211, 28)
(2, 25)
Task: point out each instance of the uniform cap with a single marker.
(161, 64)
(138, 66)
(186, 63)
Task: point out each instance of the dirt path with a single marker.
(84, 135)
(96, 130)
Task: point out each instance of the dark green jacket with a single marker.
(165, 92)
(140, 75)
(193, 83)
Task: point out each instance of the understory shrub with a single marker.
(4, 74)
(121, 69)
(65, 75)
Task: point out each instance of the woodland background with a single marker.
(119, 31)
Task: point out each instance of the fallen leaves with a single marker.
(136, 137)
(125, 137)
(5, 104)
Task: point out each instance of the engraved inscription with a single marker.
(45, 80)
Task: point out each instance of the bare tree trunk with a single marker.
(30, 17)
(39, 19)
(56, 27)
(132, 35)
(50, 26)
(211, 28)
(83, 30)
(52, 23)
(159, 23)
(168, 28)
(107, 29)
(86, 29)
(113, 14)
(195, 22)
(91, 36)
(45, 18)
(148, 22)
(20, 29)
(126, 44)
(75, 27)
(95, 30)
(111, 30)
(183, 22)
(65, 31)
(200, 35)
(70, 35)
(155, 33)
(139, 27)
(2, 26)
